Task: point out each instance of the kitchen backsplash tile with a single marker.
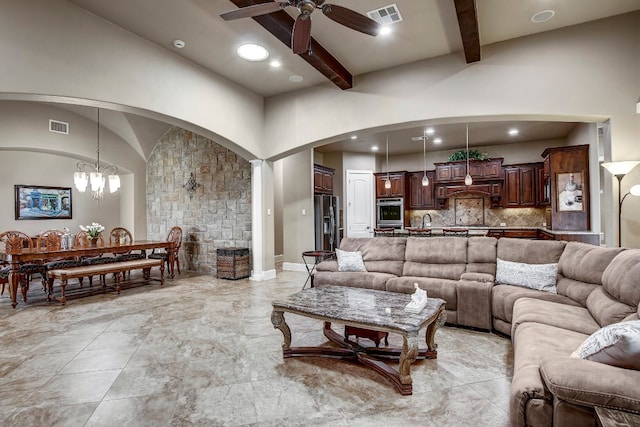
(474, 211)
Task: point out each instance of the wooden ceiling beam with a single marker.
(469, 32)
(280, 24)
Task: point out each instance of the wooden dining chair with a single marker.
(122, 236)
(4, 277)
(51, 240)
(174, 236)
(82, 240)
(383, 232)
(459, 232)
(420, 232)
(17, 241)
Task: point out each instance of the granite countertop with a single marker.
(475, 230)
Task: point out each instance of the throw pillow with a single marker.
(350, 261)
(616, 345)
(533, 276)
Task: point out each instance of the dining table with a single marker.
(40, 255)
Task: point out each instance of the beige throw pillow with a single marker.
(616, 345)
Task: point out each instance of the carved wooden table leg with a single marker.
(277, 318)
(407, 357)
(432, 351)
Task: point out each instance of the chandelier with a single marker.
(94, 174)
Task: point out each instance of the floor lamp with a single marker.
(619, 170)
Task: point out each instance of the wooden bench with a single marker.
(116, 268)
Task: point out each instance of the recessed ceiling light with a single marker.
(437, 141)
(513, 132)
(354, 137)
(386, 30)
(275, 64)
(543, 16)
(430, 131)
(253, 52)
(295, 78)
(179, 43)
(374, 148)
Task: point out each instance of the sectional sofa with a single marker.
(592, 288)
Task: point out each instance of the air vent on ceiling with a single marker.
(58, 127)
(386, 15)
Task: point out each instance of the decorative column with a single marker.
(256, 219)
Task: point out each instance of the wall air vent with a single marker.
(58, 127)
(386, 15)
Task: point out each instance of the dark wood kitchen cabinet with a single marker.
(478, 169)
(323, 179)
(542, 186)
(421, 197)
(398, 185)
(519, 186)
(564, 162)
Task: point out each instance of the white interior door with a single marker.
(359, 201)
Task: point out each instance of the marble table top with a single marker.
(358, 306)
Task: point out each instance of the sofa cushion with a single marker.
(533, 276)
(620, 279)
(435, 257)
(531, 402)
(571, 317)
(587, 384)
(530, 251)
(350, 261)
(436, 250)
(504, 296)
(367, 280)
(481, 255)
(577, 291)
(380, 254)
(606, 309)
(585, 263)
(436, 288)
(615, 345)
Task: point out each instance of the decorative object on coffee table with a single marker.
(366, 309)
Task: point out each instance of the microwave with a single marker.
(390, 212)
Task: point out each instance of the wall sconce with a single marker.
(191, 185)
(619, 170)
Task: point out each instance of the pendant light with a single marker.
(387, 183)
(467, 179)
(96, 174)
(425, 180)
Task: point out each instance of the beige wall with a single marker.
(53, 50)
(31, 155)
(297, 193)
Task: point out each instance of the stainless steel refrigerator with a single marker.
(327, 222)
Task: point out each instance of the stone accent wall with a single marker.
(218, 214)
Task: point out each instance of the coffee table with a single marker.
(366, 309)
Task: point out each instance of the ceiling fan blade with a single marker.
(351, 19)
(255, 10)
(301, 36)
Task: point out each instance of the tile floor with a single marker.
(202, 351)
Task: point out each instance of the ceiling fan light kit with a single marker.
(301, 34)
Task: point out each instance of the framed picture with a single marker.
(569, 191)
(39, 202)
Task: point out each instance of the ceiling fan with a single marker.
(301, 35)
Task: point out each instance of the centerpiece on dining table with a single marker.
(93, 232)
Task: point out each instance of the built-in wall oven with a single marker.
(390, 213)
